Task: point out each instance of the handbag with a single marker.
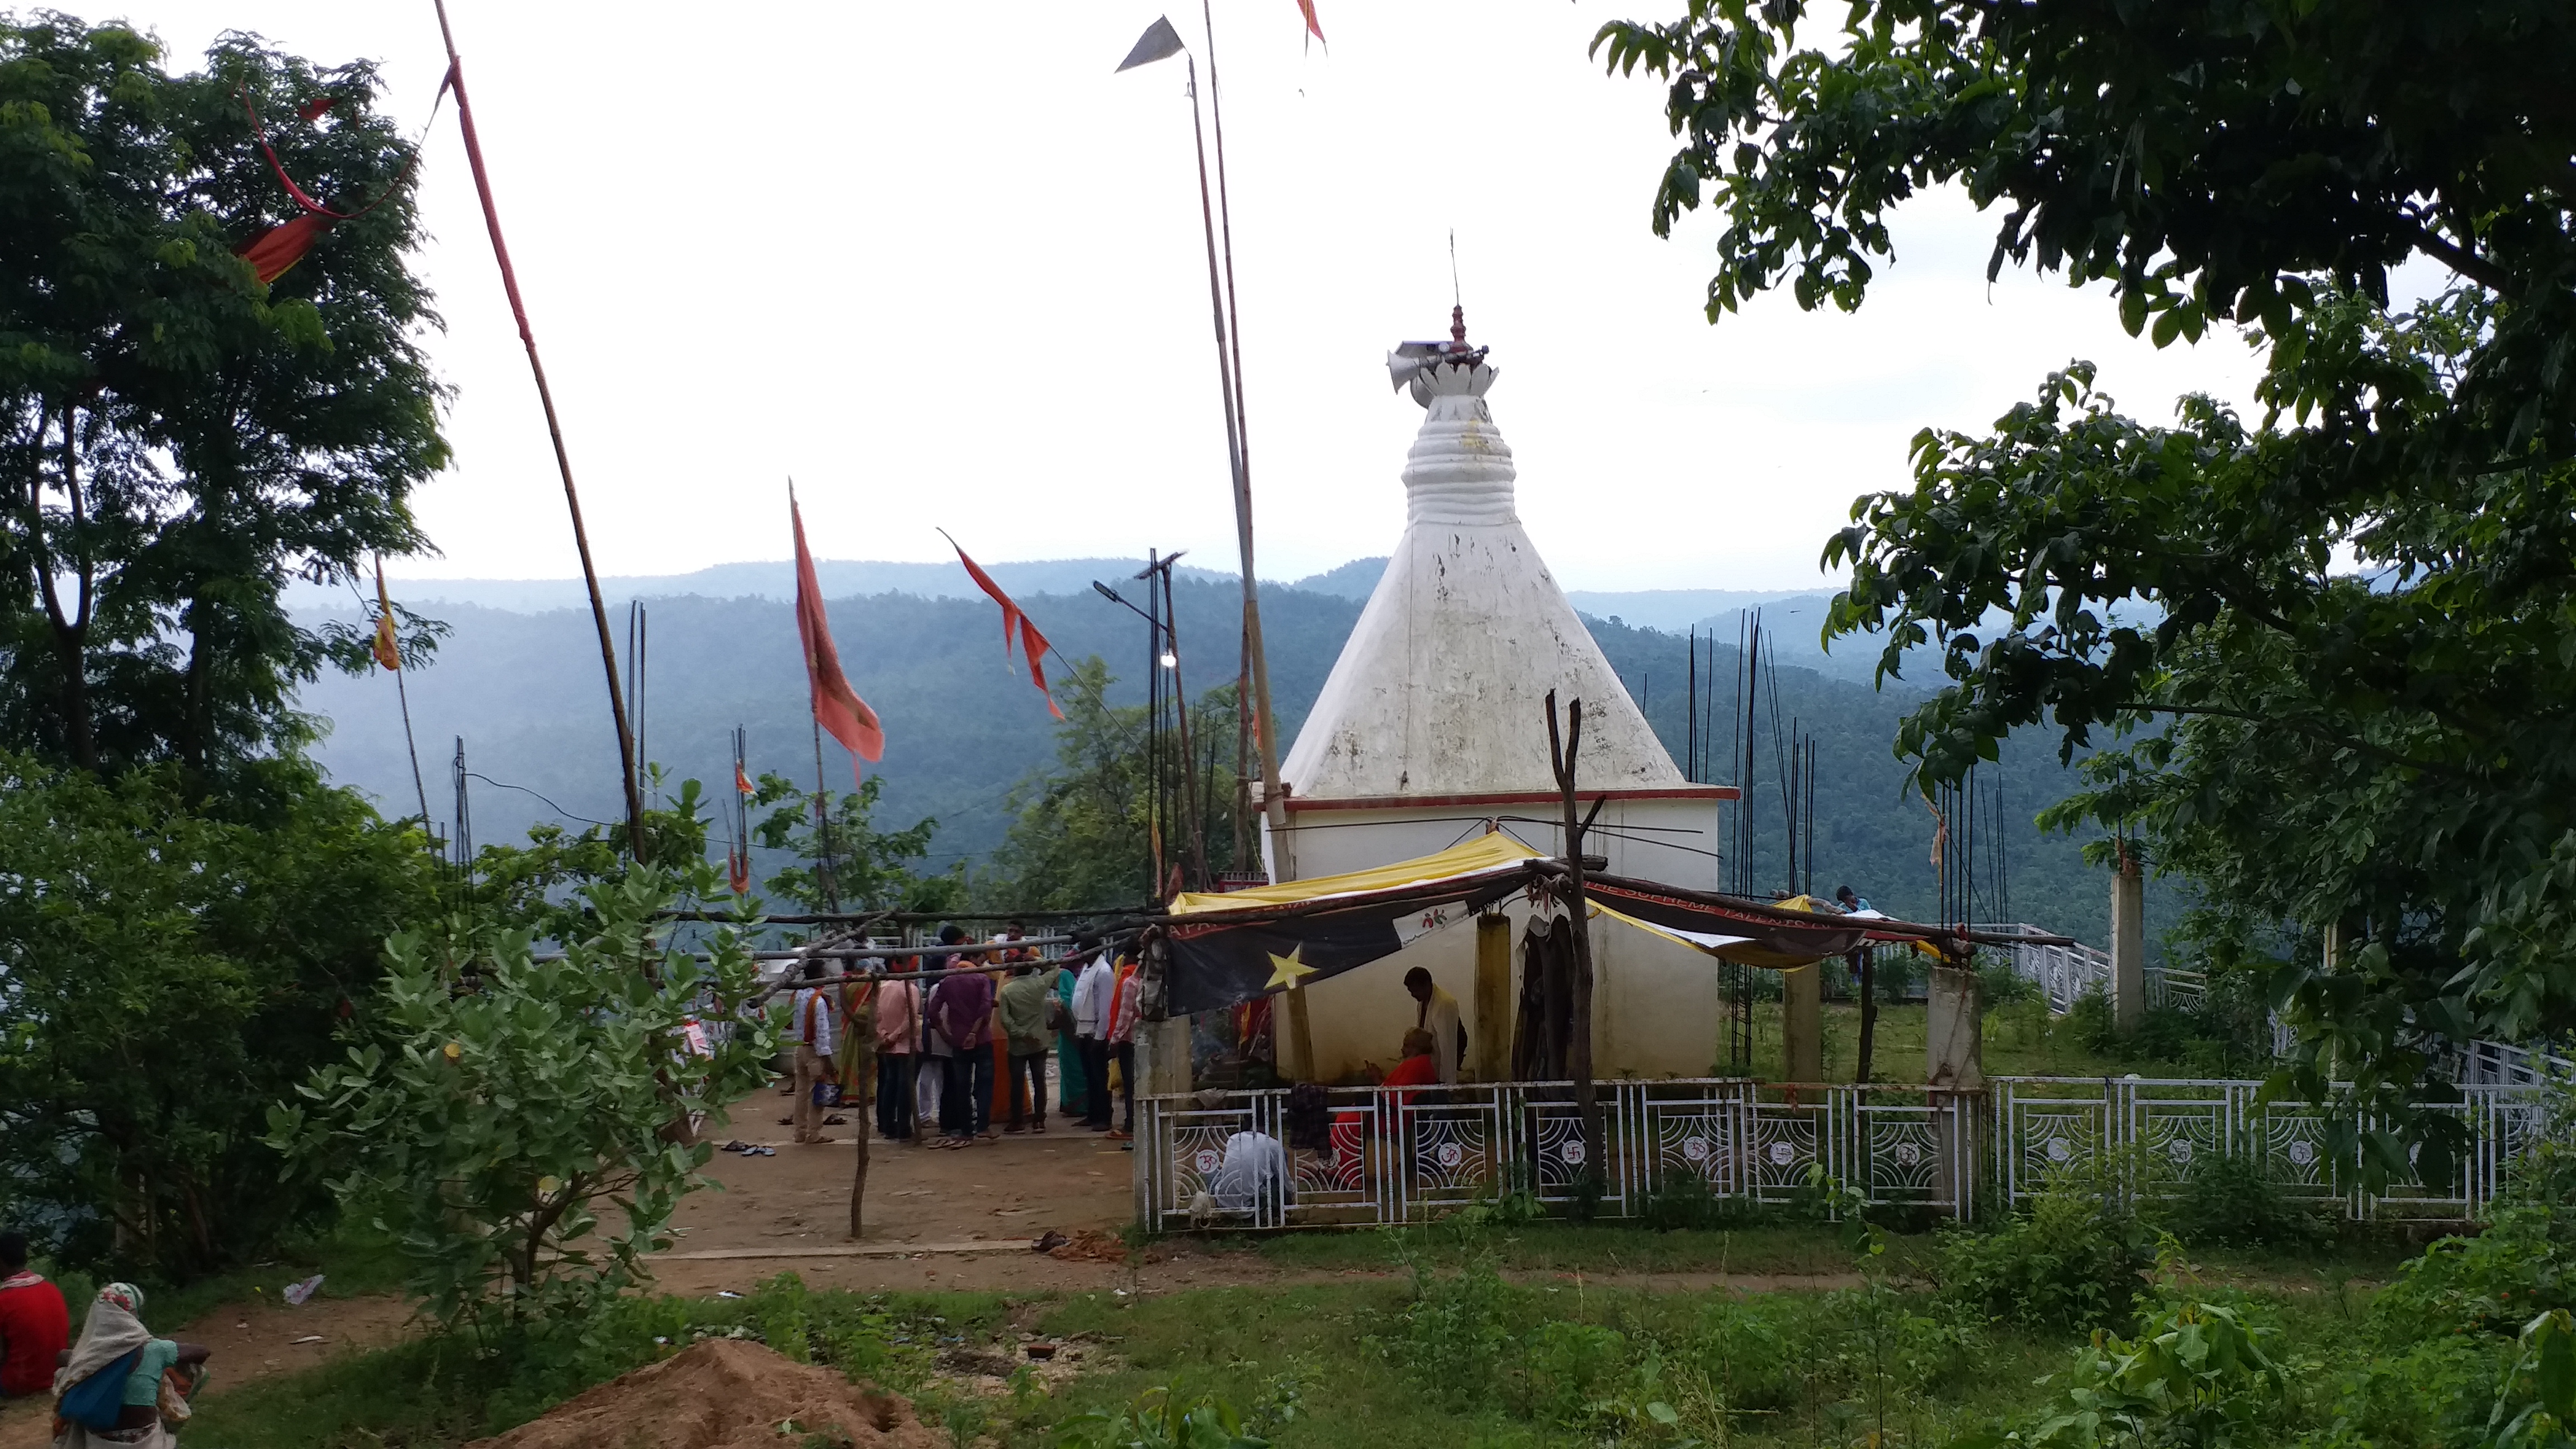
(98, 1401)
(173, 1406)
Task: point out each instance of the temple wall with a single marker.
(1655, 1011)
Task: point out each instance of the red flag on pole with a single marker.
(837, 707)
(1034, 644)
(1014, 621)
(1011, 616)
(279, 247)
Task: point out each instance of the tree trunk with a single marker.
(1587, 1101)
(70, 631)
(196, 745)
(863, 1120)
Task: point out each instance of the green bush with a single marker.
(1168, 1417)
(1999, 986)
(2091, 1024)
(1562, 1370)
(1451, 1335)
(2198, 1375)
(1682, 1202)
(522, 1127)
(2522, 1265)
(2226, 1200)
(2074, 1261)
(1751, 1352)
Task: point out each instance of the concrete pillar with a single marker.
(1489, 1041)
(1163, 1057)
(1802, 1024)
(1954, 1031)
(2128, 947)
(1954, 1058)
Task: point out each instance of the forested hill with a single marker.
(963, 724)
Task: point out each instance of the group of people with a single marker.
(117, 1385)
(941, 1026)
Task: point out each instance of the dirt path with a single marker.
(252, 1341)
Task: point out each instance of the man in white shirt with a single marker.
(1091, 1003)
(811, 1028)
(1253, 1176)
(1438, 1015)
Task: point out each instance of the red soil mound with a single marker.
(725, 1394)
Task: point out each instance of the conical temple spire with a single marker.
(1439, 690)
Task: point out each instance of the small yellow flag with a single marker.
(386, 651)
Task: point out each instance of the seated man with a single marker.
(1421, 1064)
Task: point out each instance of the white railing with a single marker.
(2493, 1063)
(1233, 1159)
(2065, 973)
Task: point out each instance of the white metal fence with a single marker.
(2065, 973)
(1229, 1158)
(2162, 1129)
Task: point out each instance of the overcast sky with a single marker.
(944, 268)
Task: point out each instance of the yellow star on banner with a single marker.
(1289, 970)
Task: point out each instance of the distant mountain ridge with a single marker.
(764, 579)
(521, 687)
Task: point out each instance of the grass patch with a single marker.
(449, 1390)
(354, 1264)
(2021, 1040)
(1448, 1353)
(1552, 1245)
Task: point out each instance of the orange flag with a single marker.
(837, 707)
(1014, 621)
(1034, 644)
(273, 251)
(388, 653)
(1011, 617)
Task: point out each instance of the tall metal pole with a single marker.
(554, 430)
(1192, 806)
(1154, 811)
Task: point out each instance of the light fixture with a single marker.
(1171, 660)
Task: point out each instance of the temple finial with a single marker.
(1458, 328)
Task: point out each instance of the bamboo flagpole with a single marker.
(1160, 41)
(1265, 723)
(554, 430)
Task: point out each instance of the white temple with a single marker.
(1434, 723)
